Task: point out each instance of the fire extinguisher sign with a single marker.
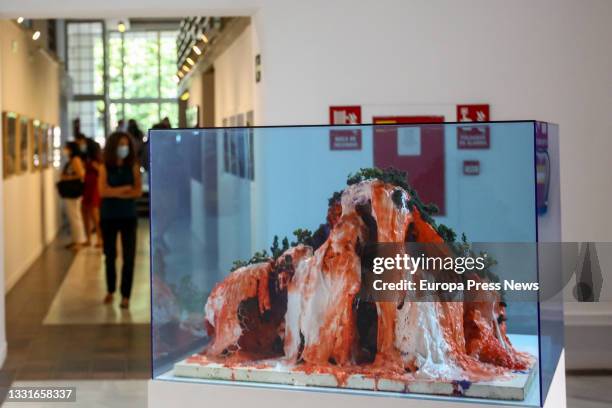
(473, 113)
(344, 115)
(473, 136)
(345, 139)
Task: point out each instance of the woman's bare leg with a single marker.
(95, 213)
(86, 211)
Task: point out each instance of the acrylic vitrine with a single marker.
(258, 238)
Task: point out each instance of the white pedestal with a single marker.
(199, 393)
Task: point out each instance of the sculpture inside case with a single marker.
(295, 314)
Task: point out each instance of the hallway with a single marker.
(58, 328)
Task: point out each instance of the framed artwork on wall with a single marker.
(54, 152)
(238, 150)
(44, 145)
(37, 133)
(24, 145)
(9, 143)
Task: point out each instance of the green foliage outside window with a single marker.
(141, 67)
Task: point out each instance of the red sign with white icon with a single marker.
(477, 136)
(344, 115)
(471, 167)
(345, 139)
(472, 113)
(340, 139)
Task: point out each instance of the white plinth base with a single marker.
(514, 388)
(173, 391)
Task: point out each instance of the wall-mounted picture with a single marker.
(37, 133)
(44, 145)
(24, 145)
(238, 147)
(54, 153)
(9, 143)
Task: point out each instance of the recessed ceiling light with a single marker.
(190, 61)
(20, 20)
(197, 50)
(36, 35)
(204, 38)
(121, 27)
(180, 74)
(185, 68)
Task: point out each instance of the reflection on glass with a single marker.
(220, 197)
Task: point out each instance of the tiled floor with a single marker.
(73, 349)
(584, 391)
(78, 300)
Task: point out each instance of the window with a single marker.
(85, 64)
(141, 77)
(139, 67)
(86, 58)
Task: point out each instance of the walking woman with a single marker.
(73, 171)
(120, 186)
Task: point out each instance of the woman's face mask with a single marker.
(123, 151)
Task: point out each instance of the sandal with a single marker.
(125, 303)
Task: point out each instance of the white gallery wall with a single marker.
(234, 78)
(547, 60)
(31, 208)
(30, 217)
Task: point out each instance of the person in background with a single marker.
(166, 123)
(90, 205)
(135, 131)
(86, 145)
(121, 126)
(76, 127)
(74, 170)
(138, 137)
(120, 185)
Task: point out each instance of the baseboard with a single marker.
(13, 278)
(588, 314)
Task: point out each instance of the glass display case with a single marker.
(264, 247)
